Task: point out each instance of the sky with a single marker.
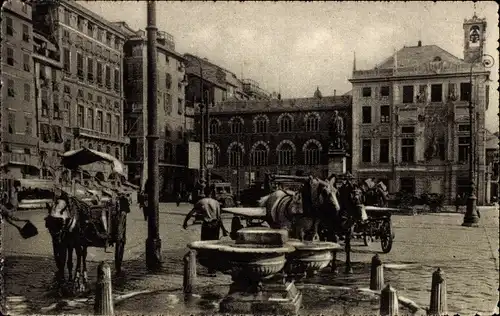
(294, 47)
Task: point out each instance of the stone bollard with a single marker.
(438, 304)
(104, 295)
(189, 272)
(389, 305)
(377, 274)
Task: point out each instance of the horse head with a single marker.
(354, 200)
(322, 194)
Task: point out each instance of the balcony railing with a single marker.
(85, 132)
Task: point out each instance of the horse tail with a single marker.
(263, 200)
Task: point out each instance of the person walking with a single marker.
(458, 202)
(178, 198)
(209, 210)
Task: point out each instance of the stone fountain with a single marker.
(264, 265)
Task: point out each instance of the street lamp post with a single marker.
(202, 137)
(471, 218)
(153, 242)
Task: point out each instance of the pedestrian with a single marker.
(458, 202)
(209, 210)
(178, 198)
(10, 204)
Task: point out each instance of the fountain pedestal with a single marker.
(272, 297)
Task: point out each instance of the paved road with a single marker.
(423, 243)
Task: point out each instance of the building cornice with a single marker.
(417, 77)
(327, 108)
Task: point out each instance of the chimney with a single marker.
(419, 43)
(334, 92)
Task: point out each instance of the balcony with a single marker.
(89, 133)
(165, 39)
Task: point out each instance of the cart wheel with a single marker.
(235, 226)
(120, 242)
(367, 239)
(386, 236)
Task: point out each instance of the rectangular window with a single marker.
(385, 114)
(436, 93)
(385, 91)
(408, 150)
(100, 33)
(80, 118)
(366, 150)
(90, 29)
(45, 103)
(12, 123)
(90, 69)
(79, 23)
(407, 185)
(67, 105)
(90, 118)
(108, 77)
(465, 91)
(108, 123)
(29, 124)
(56, 108)
(408, 94)
(463, 149)
(117, 125)
(367, 115)
(99, 73)
(26, 62)
(67, 17)
(117, 80)
(10, 88)
(79, 65)
(27, 92)
(180, 106)
(10, 56)
(26, 33)
(90, 97)
(99, 99)
(384, 150)
(67, 89)
(10, 28)
(367, 92)
(100, 122)
(168, 80)
(67, 60)
(108, 39)
(464, 128)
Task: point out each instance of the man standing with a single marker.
(209, 210)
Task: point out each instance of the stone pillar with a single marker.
(337, 162)
(487, 190)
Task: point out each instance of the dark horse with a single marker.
(72, 227)
(318, 211)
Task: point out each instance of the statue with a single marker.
(337, 132)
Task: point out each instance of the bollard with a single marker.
(377, 274)
(189, 271)
(438, 304)
(389, 302)
(104, 295)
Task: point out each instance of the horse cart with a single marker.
(377, 226)
(103, 203)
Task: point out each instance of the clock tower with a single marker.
(474, 37)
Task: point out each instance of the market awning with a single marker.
(85, 156)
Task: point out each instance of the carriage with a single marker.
(99, 199)
(377, 226)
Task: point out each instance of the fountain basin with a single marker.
(310, 256)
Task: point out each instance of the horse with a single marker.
(318, 211)
(72, 227)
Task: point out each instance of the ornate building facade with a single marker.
(91, 88)
(288, 136)
(172, 122)
(411, 118)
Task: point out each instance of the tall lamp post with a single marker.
(153, 242)
(202, 138)
(471, 218)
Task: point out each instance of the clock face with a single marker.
(474, 35)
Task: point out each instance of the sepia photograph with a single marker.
(249, 158)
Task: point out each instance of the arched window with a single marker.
(285, 124)
(261, 124)
(312, 154)
(236, 125)
(259, 155)
(312, 123)
(286, 154)
(214, 127)
(235, 155)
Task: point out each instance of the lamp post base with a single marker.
(471, 218)
(153, 254)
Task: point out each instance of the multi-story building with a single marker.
(254, 91)
(288, 136)
(18, 114)
(50, 121)
(172, 123)
(92, 71)
(411, 120)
